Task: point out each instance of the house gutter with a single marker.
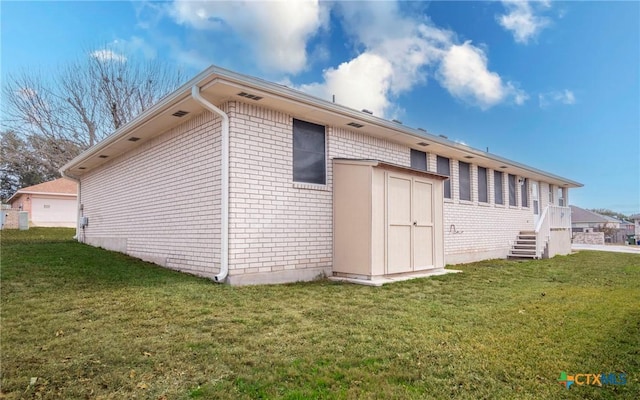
(79, 200)
(224, 195)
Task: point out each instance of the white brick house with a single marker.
(231, 177)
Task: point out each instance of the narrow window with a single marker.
(418, 160)
(483, 184)
(308, 153)
(497, 187)
(444, 169)
(464, 175)
(524, 192)
(512, 190)
(561, 197)
(550, 194)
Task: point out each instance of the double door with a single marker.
(410, 224)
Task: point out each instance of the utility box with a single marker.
(388, 219)
(23, 220)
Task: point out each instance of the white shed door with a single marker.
(400, 224)
(410, 224)
(422, 225)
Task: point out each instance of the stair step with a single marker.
(528, 255)
(532, 256)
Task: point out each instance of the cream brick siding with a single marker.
(161, 201)
(275, 223)
(476, 231)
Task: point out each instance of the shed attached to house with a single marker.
(242, 180)
(387, 219)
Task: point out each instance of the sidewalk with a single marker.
(613, 248)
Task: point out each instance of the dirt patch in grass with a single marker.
(81, 322)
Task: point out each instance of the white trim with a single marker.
(224, 184)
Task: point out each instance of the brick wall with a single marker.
(588, 238)
(277, 224)
(161, 201)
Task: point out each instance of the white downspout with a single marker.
(224, 195)
(78, 203)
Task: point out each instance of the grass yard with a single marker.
(80, 322)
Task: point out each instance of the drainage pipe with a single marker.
(79, 212)
(224, 195)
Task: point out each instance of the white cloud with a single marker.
(277, 32)
(394, 49)
(464, 73)
(390, 61)
(556, 97)
(363, 82)
(108, 55)
(397, 53)
(134, 44)
(522, 19)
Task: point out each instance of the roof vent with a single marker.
(82, 167)
(103, 156)
(422, 129)
(469, 157)
(397, 121)
(443, 136)
(355, 124)
(133, 139)
(364, 110)
(503, 166)
(250, 96)
(180, 113)
(423, 144)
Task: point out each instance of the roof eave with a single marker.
(213, 73)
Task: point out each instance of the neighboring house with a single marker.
(53, 203)
(247, 181)
(586, 221)
(615, 230)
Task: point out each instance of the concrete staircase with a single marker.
(524, 246)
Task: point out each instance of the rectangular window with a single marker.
(512, 190)
(309, 165)
(497, 187)
(550, 194)
(464, 176)
(483, 184)
(524, 192)
(444, 169)
(418, 160)
(561, 197)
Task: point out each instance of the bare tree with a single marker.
(86, 100)
(60, 114)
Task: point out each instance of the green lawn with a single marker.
(80, 322)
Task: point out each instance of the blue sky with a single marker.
(555, 85)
